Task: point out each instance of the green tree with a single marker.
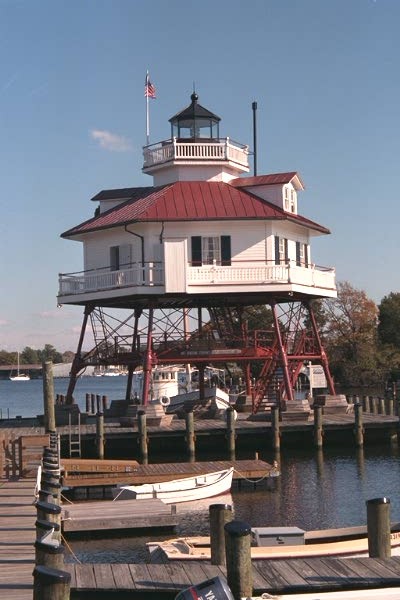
(50, 353)
(389, 320)
(351, 336)
(29, 356)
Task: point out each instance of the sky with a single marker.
(324, 73)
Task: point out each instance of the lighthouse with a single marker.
(173, 271)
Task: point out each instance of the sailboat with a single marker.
(19, 376)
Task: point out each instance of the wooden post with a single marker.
(100, 435)
(48, 511)
(318, 431)
(220, 515)
(378, 524)
(142, 427)
(381, 401)
(104, 400)
(49, 554)
(93, 403)
(51, 584)
(390, 406)
(374, 405)
(48, 397)
(365, 403)
(88, 403)
(239, 572)
(230, 431)
(276, 436)
(358, 425)
(190, 435)
(98, 403)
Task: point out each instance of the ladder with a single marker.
(74, 436)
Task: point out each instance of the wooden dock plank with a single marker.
(104, 577)
(123, 576)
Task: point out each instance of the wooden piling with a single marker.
(358, 425)
(239, 572)
(230, 431)
(93, 403)
(51, 584)
(104, 400)
(100, 435)
(276, 436)
(220, 515)
(143, 446)
(378, 524)
(318, 431)
(87, 397)
(48, 397)
(381, 405)
(49, 554)
(190, 435)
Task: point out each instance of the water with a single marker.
(25, 398)
(316, 490)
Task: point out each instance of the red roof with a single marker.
(186, 201)
(271, 179)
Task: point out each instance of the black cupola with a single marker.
(195, 122)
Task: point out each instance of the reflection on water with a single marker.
(316, 490)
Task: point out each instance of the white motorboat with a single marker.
(280, 543)
(196, 487)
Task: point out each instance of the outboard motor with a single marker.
(212, 589)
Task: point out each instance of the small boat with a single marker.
(347, 542)
(19, 376)
(112, 371)
(188, 489)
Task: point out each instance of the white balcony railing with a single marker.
(152, 274)
(217, 150)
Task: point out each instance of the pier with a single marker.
(17, 559)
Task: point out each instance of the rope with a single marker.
(70, 549)
(66, 499)
(251, 480)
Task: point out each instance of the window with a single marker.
(292, 201)
(301, 255)
(286, 198)
(120, 257)
(210, 250)
(281, 250)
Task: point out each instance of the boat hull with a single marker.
(197, 487)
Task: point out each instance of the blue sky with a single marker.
(72, 122)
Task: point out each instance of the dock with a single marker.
(17, 535)
(89, 473)
(117, 516)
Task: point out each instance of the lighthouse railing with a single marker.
(195, 149)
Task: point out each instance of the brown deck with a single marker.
(243, 469)
(17, 534)
(272, 577)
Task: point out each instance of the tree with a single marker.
(29, 356)
(389, 320)
(49, 353)
(351, 336)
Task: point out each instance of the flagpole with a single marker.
(147, 112)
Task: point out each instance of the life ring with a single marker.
(165, 401)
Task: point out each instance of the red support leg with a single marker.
(283, 355)
(324, 358)
(148, 360)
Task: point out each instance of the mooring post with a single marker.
(100, 435)
(382, 409)
(190, 435)
(87, 398)
(104, 400)
(276, 435)
(51, 584)
(358, 425)
(93, 403)
(230, 431)
(49, 511)
(390, 406)
(378, 524)
(239, 572)
(98, 403)
(49, 553)
(220, 515)
(142, 427)
(318, 431)
(48, 397)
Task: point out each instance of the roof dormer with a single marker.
(279, 188)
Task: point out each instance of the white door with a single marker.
(175, 257)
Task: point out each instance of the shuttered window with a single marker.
(207, 250)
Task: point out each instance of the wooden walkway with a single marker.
(271, 577)
(17, 536)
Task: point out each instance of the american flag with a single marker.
(149, 89)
